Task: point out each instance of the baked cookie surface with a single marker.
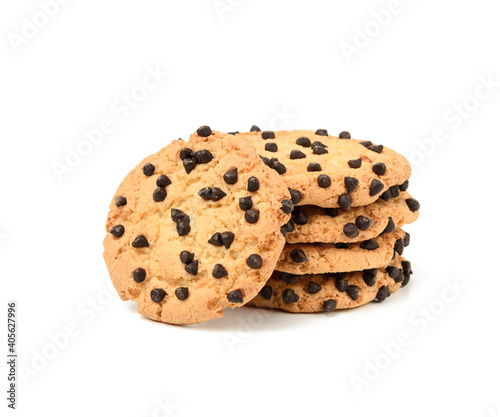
(317, 224)
(322, 258)
(329, 292)
(330, 171)
(195, 228)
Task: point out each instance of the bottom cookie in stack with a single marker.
(332, 291)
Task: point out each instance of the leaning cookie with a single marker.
(195, 228)
(322, 258)
(330, 171)
(329, 292)
(317, 224)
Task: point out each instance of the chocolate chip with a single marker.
(318, 144)
(140, 242)
(382, 293)
(395, 273)
(251, 216)
(341, 245)
(186, 153)
(394, 191)
(341, 283)
(203, 157)
(363, 222)
(355, 163)
(379, 168)
(216, 239)
(287, 206)
(375, 187)
(318, 150)
(296, 196)
(266, 161)
(390, 226)
(205, 193)
(227, 239)
(351, 184)
(233, 133)
(404, 186)
(266, 292)
(183, 228)
(303, 141)
(406, 239)
(332, 212)
(344, 135)
(287, 278)
(267, 134)
(163, 181)
(300, 218)
(219, 271)
(406, 280)
(246, 203)
(366, 143)
(298, 256)
(278, 166)
(186, 257)
(313, 288)
(351, 230)
(413, 204)
(370, 244)
(231, 176)
(406, 267)
(255, 128)
(148, 170)
(157, 295)
(189, 164)
(254, 261)
(386, 195)
(253, 184)
(159, 194)
(370, 277)
(117, 231)
(204, 131)
(192, 267)
(353, 291)
(345, 202)
(271, 147)
(139, 275)
(329, 305)
(376, 148)
(399, 246)
(177, 215)
(120, 201)
(289, 296)
(313, 167)
(296, 154)
(287, 228)
(322, 132)
(324, 181)
(182, 293)
(235, 297)
(217, 194)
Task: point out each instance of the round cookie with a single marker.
(317, 224)
(322, 258)
(330, 171)
(195, 228)
(329, 292)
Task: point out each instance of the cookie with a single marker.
(317, 224)
(330, 171)
(322, 258)
(195, 228)
(329, 292)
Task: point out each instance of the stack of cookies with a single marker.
(300, 221)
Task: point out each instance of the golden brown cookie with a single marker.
(330, 171)
(195, 228)
(322, 258)
(329, 292)
(316, 224)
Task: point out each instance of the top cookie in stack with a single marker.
(351, 201)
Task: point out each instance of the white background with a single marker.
(278, 64)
